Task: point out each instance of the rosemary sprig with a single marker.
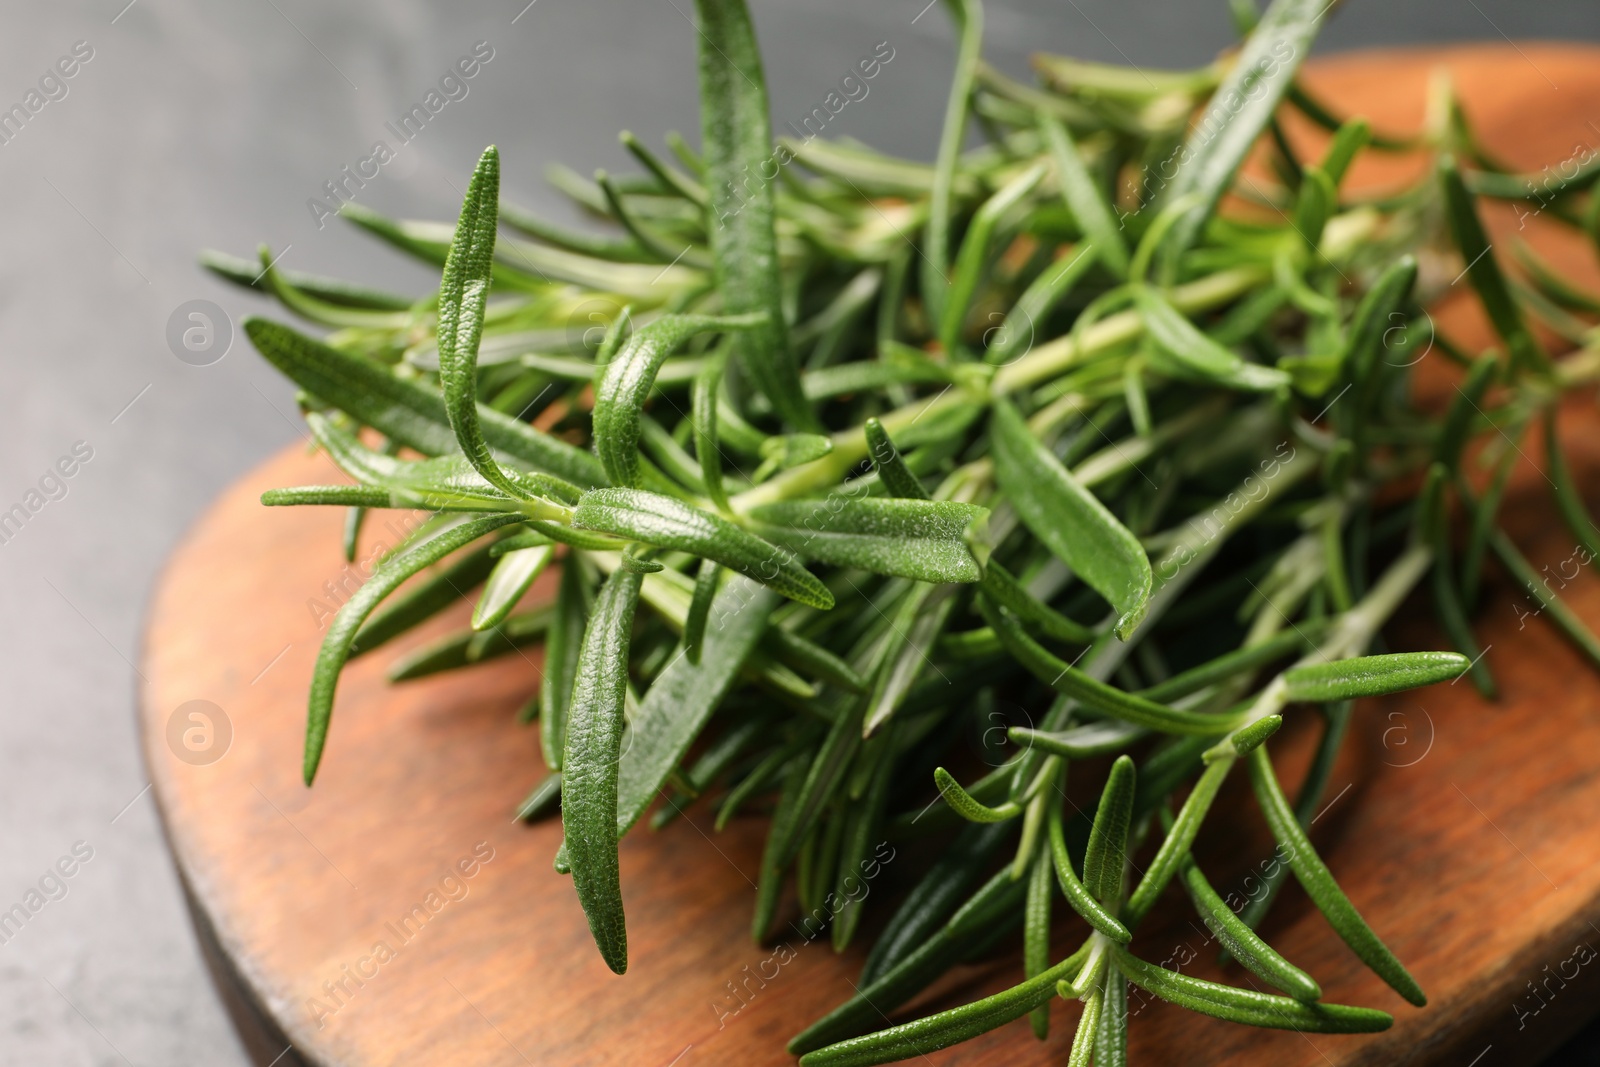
(819, 520)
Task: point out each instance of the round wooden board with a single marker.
(1463, 830)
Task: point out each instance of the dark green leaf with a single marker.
(926, 540)
(512, 576)
(589, 764)
(619, 398)
(1075, 526)
(679, 703)
(1084, 198)
(342, 630)
(405, 410)
(667, 523)
(1319, 885)
(1247, 1006)
(1483, 269)
(1239, 110)
(738, 145)
(561, 650)
(1366, 676)
(1106, 854)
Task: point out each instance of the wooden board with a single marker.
(1475, 821)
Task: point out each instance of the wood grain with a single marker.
(1477, 854)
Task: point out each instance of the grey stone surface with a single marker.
(197, 124)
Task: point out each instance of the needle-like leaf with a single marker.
(1069, 519)
(590, 760)
(1247, 1006)
(928, 540)
(667, 523)
(738, 147)
(1367, 676)
(1319, 885)
(342, 630)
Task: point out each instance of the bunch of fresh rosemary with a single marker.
(882, 448)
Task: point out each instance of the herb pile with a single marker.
(844, 458)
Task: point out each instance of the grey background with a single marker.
(211, 124)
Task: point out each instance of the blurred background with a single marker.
(190, 125)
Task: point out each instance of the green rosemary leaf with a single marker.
(1483, 268)
(667, 523)
(1373, 321)
(668, 176)
(1240, 109)
(648, 240)
(424, 599)
(934, 899)
(927, 540)
(708, 450)
(1083, 1039)
(441, 483)
(567, 626)
(620, 395)
(999, 586)
(1317, 200)
(625, 250)
(679, 703)
(463, 293)
(589, 764)
(1319, 885)
(1366, 676)
(408, 411)
(544, 801)
(694, 627)
(1106, 854)
(973, 259)
(935, 249)
(1247, 1006)
(1349, 139)
(737, 138)
(1537, 586)
(1036, 935)
(824, 777)
(1243, 740)
(1027, 318)
(1078, 896)
(342, 630)
(1568, 500)
(1159, 871)
(947, 1027)
(1084, 198)
(1106, 699)
(769, 879)
(322, 312)
(1464, 410)
(903, 652)
(1182, 349)
(463, 648)
(795, 651)
(890, 464)
(513, 574)
(334, 291)
(859, 859)
(350, 541)
(1111, 1036)
(792, 449)
(968, 808)
(1254, 954)
(971, 926)
(359, 496)
(1064, 515)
